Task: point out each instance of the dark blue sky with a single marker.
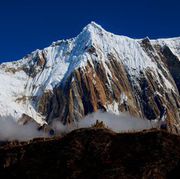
(26, 25)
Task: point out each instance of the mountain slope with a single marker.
(94, 153)
(95, 70)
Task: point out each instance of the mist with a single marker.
(11, 130)
(118, 123)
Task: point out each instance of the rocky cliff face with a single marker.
(96, 70)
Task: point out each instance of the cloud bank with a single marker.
(10, 130)
(118, 123)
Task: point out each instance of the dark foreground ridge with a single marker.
(94, 153)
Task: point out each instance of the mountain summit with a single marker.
(95, 70)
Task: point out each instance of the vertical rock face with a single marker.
(90, 89)
(96, 70)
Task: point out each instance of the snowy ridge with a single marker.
(62, 58)
(172, 43)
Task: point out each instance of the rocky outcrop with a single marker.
(90, 90)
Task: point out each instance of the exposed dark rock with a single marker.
(173, 64)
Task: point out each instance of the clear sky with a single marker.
(26, 25)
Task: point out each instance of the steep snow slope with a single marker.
(172, 43)
(95, 70)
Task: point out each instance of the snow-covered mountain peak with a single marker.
(92, 27)
(91, 34)
(100, 70)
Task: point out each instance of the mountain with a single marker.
(94, 153)
(95, 70)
